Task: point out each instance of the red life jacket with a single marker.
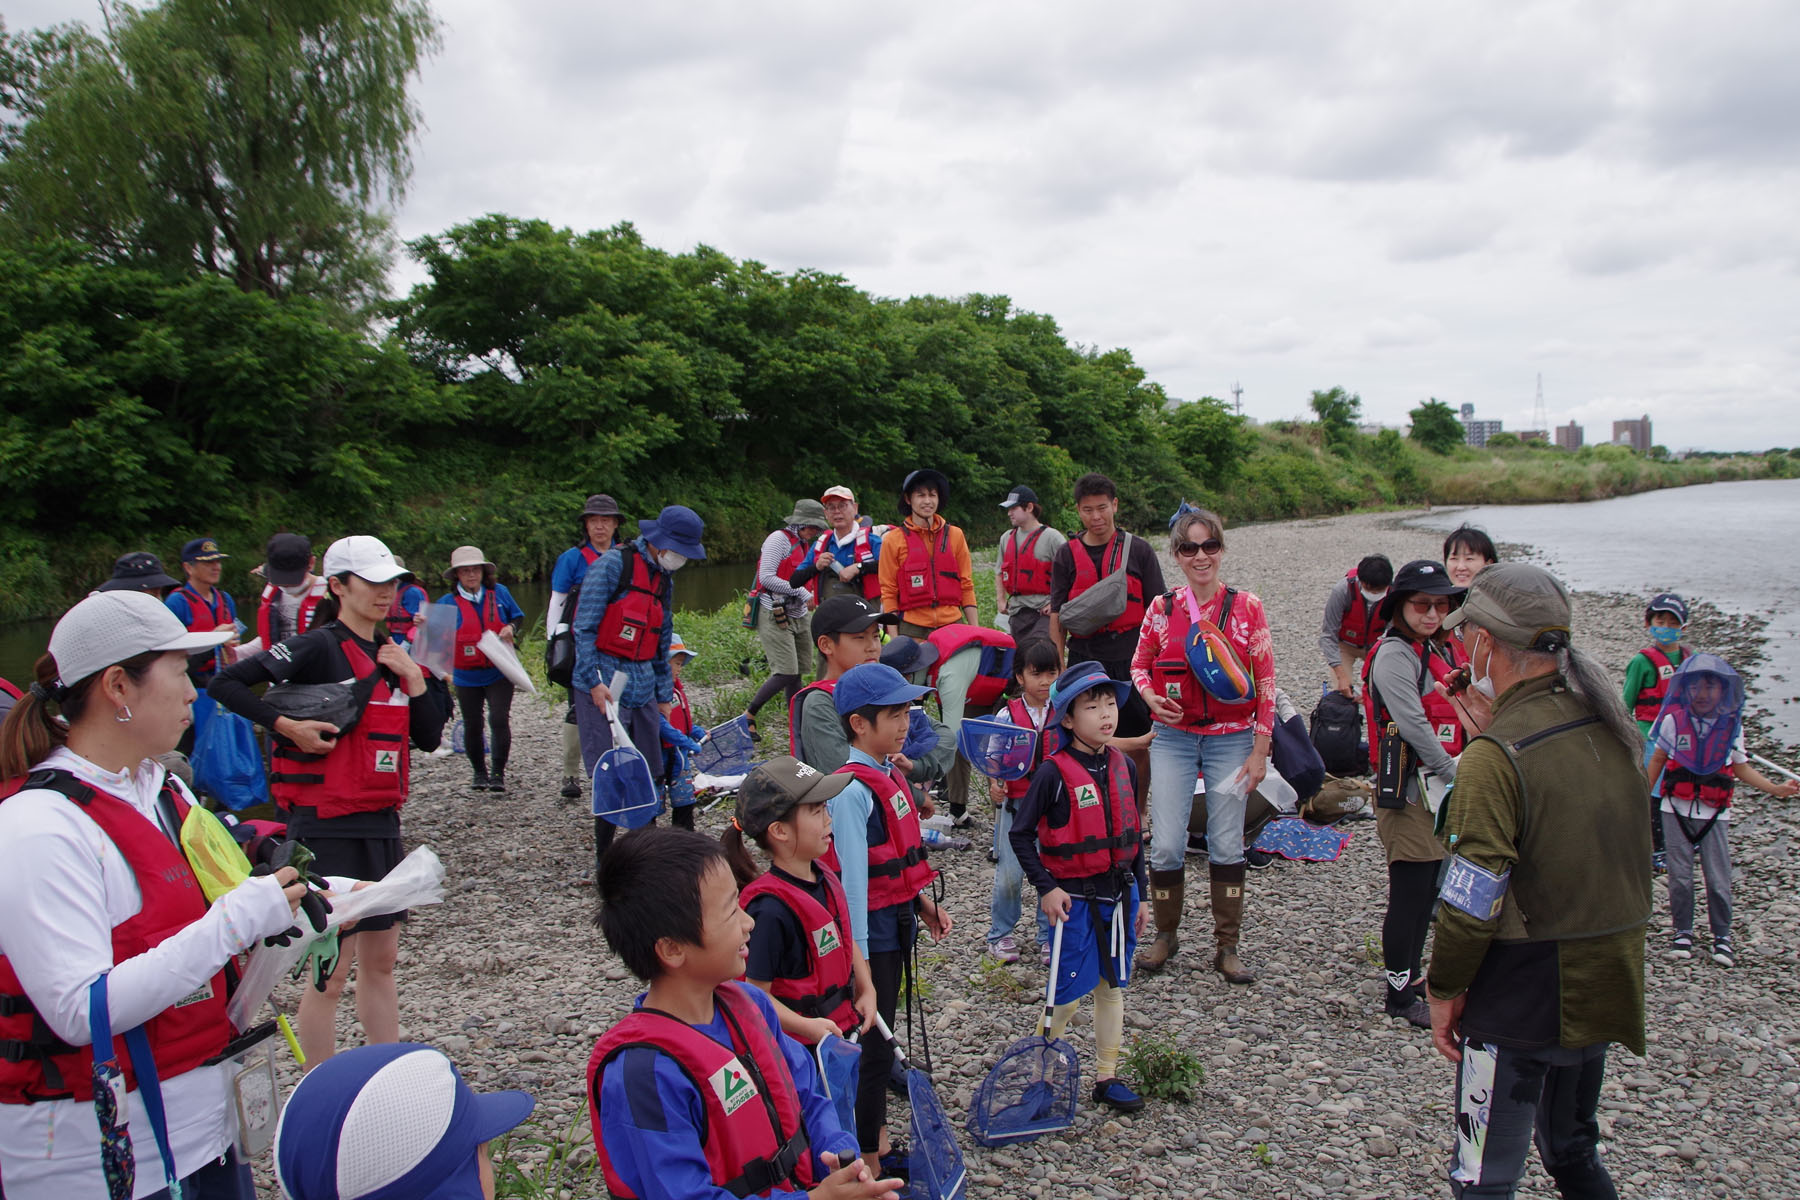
(302, 622)
(1360, 623)
(864, 553)
(1021, 716)
(754, 1134)
(1086, 576)
(897, 867)
(1442, 715)
(821, 685)
(471, 624)
(400, 622)
(827, 988)
(1100, 831)
(1649, 700)
(1679, 783)
(681, 715)
(633, 621)
(1022, 572)
(1174, 679)
(206, 618)
(798, 550)
(366, 771)
(994, 671)
(930, 576)
(37, 1065)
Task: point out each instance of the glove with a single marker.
(315, 907)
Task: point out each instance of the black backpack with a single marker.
(1337, 732)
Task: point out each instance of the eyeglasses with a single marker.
(1422, 605)
(1189, 549)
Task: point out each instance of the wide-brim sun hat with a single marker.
(137, 571)
(1421, 577)
(678, 528)
(808, 514)
(1078, 678)
(364, 556)
(110, 627)
(467, 556)
(601, 505)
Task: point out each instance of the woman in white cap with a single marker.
(100, 902)
(483, 605)
(342, 790)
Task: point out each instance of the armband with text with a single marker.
(1474, 889)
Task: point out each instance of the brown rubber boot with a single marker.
(1228, 917)
(1166, 892)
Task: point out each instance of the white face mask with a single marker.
(670, 560)
(1483, 683)
(1373, 597)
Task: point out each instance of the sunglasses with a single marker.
(1421, 605)
(1189, 549)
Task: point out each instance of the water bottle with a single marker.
(937, 837)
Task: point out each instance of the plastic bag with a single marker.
(227, 762)
(417, 881)
(505, 660)
(1279, 792)
(215, 857)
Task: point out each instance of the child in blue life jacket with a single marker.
(800, 951)
(680, 738)
(1076, 835)
(1647, 678)
(1698, 756)
(1035, 668)
(697, 1092)
(879, 854)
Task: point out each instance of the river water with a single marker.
(1730, 544)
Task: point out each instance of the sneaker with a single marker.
(1115, 1095)
(1257, 859)
(480, 783)
(960, 816)
(1418, 1012)
(497, 782)
(1196, 844)
(1659, 862)
(1682, 947)
(897, 1163)
(1044, 955)
(570, 789)
(1722, 954)
(1005, 950)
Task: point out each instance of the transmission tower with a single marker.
(1237, 397)
(1540, 419)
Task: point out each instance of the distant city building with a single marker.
(1476, 433)
(1635, 434)
(1568, 437)
(1534, 435)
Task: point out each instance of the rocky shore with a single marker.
(1310, 1089)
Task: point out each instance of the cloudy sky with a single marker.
(1409, 199)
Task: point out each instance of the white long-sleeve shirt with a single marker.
(64, 885)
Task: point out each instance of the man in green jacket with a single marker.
(1538, 960)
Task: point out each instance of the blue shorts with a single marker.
(1090, 945)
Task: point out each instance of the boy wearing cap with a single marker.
(847, 557)
(393, 1121)
(202, 607)
(1022, 569)
(624, 622)
(878, 852)
(600, 520)
(782, 627)
(1075, 833)
(925, 571)
(759, 1123)
(1647, 678)
(291, 593)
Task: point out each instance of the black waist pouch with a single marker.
(1393, 763)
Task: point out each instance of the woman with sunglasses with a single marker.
(1213, 728)
(1401, 689)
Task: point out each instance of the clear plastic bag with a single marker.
(1279, 792)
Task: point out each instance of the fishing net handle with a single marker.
(1050, 984)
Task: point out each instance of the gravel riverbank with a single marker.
(1310, 1090)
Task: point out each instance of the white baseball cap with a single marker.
(110, 627)
(365, 556)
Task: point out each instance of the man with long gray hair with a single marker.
(1538, 960)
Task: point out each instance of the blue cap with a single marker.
(1668, 602)
(1078, 678)
(873, 683)
(908, 655)
(678, 528)
(386, 1123)
(202, 549)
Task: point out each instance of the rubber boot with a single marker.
(1167, 889)
(1228, 917)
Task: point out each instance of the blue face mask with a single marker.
(1665, 635)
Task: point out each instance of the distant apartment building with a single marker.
(1568, 437)
(1635, 434)
(1535, 435)
(1476, 433)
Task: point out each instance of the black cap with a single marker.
(849, 614)
(1019, 495)
(139, 571)
(1421, 577)
(907, 655)
(287, 559)
(1667, 602)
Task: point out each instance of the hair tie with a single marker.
(45, 695)
(736, 826)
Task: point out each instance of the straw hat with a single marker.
(467, 556)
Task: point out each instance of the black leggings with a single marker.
(1412, 887)
(885, 967)
(774, 683)
(498, 698)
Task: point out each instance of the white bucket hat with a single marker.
(110, 627)
(467, 556)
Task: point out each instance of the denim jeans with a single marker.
(1009, 882)
(1177, 757)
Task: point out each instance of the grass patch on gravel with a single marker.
(531, 1165)
(1162, 1070)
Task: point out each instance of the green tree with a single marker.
(250, 139)
(1339, 412)
(1504, 441)
(1435, 427)
(1211, 440)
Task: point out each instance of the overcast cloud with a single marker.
(1412, 199)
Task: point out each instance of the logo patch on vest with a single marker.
(900, 804)
(1683, 742)
(825, 939)
(1664, 672)
(918, 581)
(387, 762)
(468, 652)
(205, 992)
(1087, 796)
(628, 633)
(733, 1086)
(1172, 690)
(1446, 733)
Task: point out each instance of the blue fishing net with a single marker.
(726, 750)
(997, 749)
(936, 1167)
(1031, 1091)
(840, 1064)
